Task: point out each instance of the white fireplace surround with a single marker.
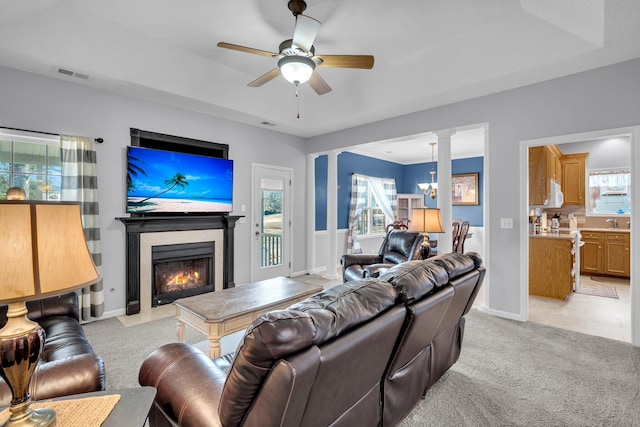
(149, 240)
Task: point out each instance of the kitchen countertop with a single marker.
(560, 234)
(607, 229)
(564, 232)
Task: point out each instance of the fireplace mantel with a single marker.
(135, 226)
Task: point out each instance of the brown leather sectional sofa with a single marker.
(68, 364)
(361, 353)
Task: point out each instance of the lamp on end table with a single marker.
(425, 221)
(43, 253)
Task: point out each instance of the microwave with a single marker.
(557, 198)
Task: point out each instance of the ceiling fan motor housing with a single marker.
(297, 6)
(287, 48)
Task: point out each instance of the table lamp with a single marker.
(425, 221)
(43, 253)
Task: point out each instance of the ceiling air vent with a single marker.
(73, 74)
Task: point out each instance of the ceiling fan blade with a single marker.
(318, 84)
(247, 49)
(305, 32)
(346, 61)
(267, 77)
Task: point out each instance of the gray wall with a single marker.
(45, 104)
(603, 153)
(604, 98)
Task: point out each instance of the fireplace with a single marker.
(181, 270)
(145, 233)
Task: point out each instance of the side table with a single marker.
(131, 410)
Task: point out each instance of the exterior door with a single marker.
(271, 222)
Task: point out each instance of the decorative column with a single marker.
(332, 215)
(311, 212)
(445, 240)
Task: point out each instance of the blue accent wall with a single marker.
(407, 178)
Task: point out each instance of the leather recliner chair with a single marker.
(398, 246)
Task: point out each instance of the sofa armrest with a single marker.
(359, 259)
(188, 384)
(82, 373)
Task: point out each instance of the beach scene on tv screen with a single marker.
(163, 181)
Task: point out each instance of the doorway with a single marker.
(530, 306)
(271, 219)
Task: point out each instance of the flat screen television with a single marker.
(167, 182)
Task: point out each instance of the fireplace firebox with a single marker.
(181, 270)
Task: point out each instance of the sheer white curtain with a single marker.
(386, 196)
(384, 191)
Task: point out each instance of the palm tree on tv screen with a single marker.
(178, 180)
(133, 170)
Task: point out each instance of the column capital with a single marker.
(445, 133)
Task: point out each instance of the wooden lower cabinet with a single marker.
(605, 253)
(550, 265)
(617, 260)
(592, 253)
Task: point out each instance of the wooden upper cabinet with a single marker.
(544, 165)
(537, 175)
(573, 178)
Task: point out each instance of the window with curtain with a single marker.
(32, 163)
(609, 192)
(379, 210)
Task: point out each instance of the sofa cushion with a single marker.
(277, 334)
(457, 264)
(414, 279)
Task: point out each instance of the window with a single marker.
(31, 163)
(372, 220)
(609, 192)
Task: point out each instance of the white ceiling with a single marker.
(427, 52)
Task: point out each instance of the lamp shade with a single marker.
(426, 220)
(296, 69)
(43, 250)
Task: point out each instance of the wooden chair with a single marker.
(459, 235)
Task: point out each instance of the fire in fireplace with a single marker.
(181, 270)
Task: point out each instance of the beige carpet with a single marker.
(509, 374)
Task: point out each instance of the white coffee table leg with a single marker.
(180, 328)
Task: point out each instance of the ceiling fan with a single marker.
(297, 60)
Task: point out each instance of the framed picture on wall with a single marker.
(464, 189)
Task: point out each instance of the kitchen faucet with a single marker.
(613, 222)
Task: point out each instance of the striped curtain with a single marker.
(80, 184)
(358, 202)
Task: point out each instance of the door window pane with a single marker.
(272, 225)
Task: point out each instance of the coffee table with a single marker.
(224, 312)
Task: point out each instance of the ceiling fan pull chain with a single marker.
(297, 103)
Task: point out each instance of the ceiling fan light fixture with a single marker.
(296, 69)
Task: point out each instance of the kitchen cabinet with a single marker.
(550, 267)
(573, 178)
(406, 203)
(617, 260)
(544, 165)
(606, 253)
(592, 252)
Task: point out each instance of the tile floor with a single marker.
(593, 315)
